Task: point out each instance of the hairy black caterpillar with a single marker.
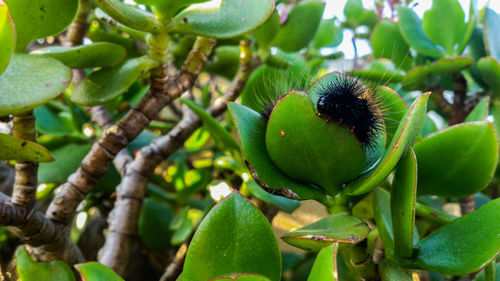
(348, 102)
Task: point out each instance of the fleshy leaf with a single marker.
(222, 138)
(406, 134)
(251, 129)
(265, 33)
(383, 218)
(167, 8)
(12, 148)
(328, 34)
(7, 36)
(154, 224)
(283, 203)
(456, 250)
(393, 109)
(403, 198)
(410, 26)
(222, 19)
(489, 68)
(492, 33)
(337, 228)
(391, 271)
(23, 88)
(108, 83)
(387, 42)
(101, 54)
(94, 271)
(480, 111)
(243, 238)
(300, 26)
(325, 265)
(242, 277)
(444, 23)
(36, 19)
(307, 149)
(452, 168)
(226, 61)
(29, 270)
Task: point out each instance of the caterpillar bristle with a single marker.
(348, 102)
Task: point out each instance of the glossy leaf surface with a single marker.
(300, 26)
(410, 26)
(251, 129)
(492, 33)
(455, 169)
(101, 54)
(7, 36)
(307, 149)
(489, 68)
(387, 42)
(234, 237)
(383, 218)
(265, 33)
(393, 109)
(403, 198)
(328, 34)
(222, 19)
(242, 277)
(480, 111)
(456, 250)
(29, 270)
(444, 23)
(108, 83)
(12, 148)
(337, 228)
(154, 224)
(22, 88)
(36, 19)
(94, 271)
(391, 271)
(406, 134)
(325, 265)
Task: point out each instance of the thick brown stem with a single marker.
(77, 29)
(25, 181)
(62, 208)
(124, 217)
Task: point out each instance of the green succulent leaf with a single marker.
(391, 271)
(165, 9)
(242, 277)
(337, 228)
(456, 250)
(154, 223)
(300, 26)
(7, 36)
(101, 54)
(36, 19)
(495, 275)
(29, 270)
(68, 159)
(444, 23)
(328, 34)
(406, 134)
(225, 62)
(393, 108)
(265, 33)
(298, 142)
(12, 148)
(230, 19)
(94, 271)
(325, 265)
(22, 88)
(456, 169)
(383, 218)
(403, 198)
(469, 28)
(480, 111)
(410, 26)
(284, 204)
(492, 33)
(222, 138)
(417, 77)
(259, 90)
(387, 42)
(489, 68)
(108, 83)
(243, 238)
(251, 129)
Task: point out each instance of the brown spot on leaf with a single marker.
(353, 238)
(282, 133)
(185, 19)
(403, 213)
(433, 214)
(48, 84)
(63, 80)
(24, 144)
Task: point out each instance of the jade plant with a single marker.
(174, 140)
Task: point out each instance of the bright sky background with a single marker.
(335, 8)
